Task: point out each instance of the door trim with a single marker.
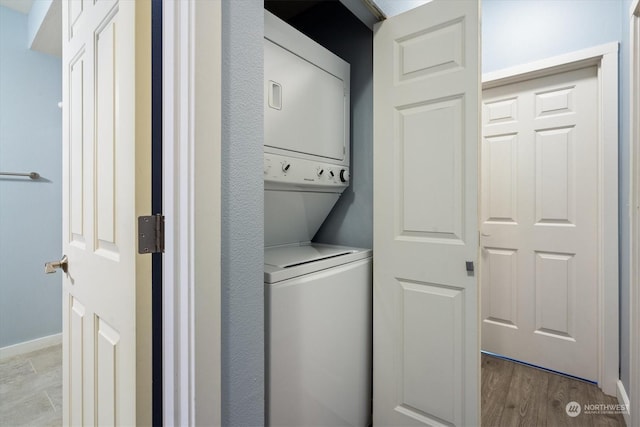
(192, 68)
(605, 58)
(634, 120)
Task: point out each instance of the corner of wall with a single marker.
(243, 373)
(44, 28)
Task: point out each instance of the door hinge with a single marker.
(151, 234)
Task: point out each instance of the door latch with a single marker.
(469, 266)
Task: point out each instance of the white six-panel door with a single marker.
(426, 138)
(106, 175)
(540, 222)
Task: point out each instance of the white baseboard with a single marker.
(623, 399)
(29, 346)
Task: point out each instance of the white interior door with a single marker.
(106, 170)
(426, 138)
(540, 222)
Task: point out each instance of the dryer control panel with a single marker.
(284, 172)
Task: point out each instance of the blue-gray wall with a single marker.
(30, 211)
(350, 222)
(517, 32)
(242, 214)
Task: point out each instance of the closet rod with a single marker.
(32, 175)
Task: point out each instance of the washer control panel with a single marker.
(283, 170)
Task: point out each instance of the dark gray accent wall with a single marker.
(242, 214)
(332, 25)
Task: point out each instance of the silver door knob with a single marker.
(51, 267)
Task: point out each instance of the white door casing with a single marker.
(539, 211)
(426, 137)
(556, 230)
(191, 196)
(633, 418)
(106, 185)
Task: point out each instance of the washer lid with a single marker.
(286, 262)
(293, 256)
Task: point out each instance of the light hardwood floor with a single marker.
(518, 395)
(31, 389)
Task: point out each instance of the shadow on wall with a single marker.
(350, 223)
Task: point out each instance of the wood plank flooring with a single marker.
(519, 395)
(512, 394)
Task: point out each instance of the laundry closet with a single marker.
(318, 173)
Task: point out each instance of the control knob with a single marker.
(344, 175)
(286, 166)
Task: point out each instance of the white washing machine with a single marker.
(317, 297)
(318, 335)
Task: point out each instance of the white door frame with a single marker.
(191, 135)
(634, 327)
(605, 58)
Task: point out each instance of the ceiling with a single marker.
(23, 6)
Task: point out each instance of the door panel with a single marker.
(431, 313)
(555, 198)
(431, 187)
(540, 209)
(426, 136)
(106, 172)
(75, 347)
(501, 268)
(501, 200)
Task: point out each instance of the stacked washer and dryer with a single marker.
(317, 296)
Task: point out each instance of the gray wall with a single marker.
(242, 214)
(517, 32)
(30, 211)
(350, 222)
